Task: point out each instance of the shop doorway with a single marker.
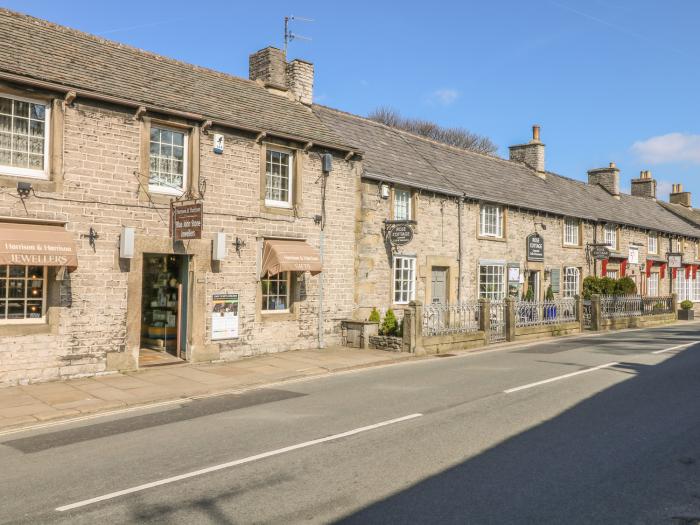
(164, 308)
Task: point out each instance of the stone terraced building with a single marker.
(153, 211)
(473, 216)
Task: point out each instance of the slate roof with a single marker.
(403, 158)
(34, 48)
(690, 214)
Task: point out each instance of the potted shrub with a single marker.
(390, 325)
(374, 316)
(686, 313)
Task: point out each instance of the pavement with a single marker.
(571, 430)
(42, 402)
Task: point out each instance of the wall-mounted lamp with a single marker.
(384, 190)
(126, 243)
(541, 225)
(24, 189)
(219, 250)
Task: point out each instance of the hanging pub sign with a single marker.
(186, 220)
(675, 260)
(400, 234)
(600, 253)
(535, 248)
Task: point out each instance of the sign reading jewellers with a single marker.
(186, 220)
(400, 234)
(535, 248)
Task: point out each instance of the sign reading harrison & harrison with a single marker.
(186, 220)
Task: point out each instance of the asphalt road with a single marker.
(494, 437)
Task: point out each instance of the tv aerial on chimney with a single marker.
(288, 35)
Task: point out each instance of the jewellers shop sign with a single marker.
(186, 220)
(535, 248)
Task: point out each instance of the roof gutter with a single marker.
(50, 86)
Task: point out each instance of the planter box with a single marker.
(686, 315)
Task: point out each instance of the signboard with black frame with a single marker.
(535, 248)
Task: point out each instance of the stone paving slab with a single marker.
(25, 405)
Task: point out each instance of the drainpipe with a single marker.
(595, 241)
(321, 243)
(459, 250)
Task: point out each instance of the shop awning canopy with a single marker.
(289, 256)
(37, 244)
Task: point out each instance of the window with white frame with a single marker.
(572, 281)
(610, 233)
(686, 288)
(653, 285)
(168, 160)
(24, 137)
(278, 178)
(275, 292)
(571, 232)
(653, 243)
(402, 205)
(22, 293)
(491, 221)
(492, 282)
(675, 245)
(404, 279)
(612, 274)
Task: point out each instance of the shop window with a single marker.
(167, 160)
(275, 292)
(610, 234)
(572, 281)
(402, 205)
(24, 137)
(278, 178)
(22, 293)
(492, 282)
(653, 243)
(404, 279)
(686, 288)
(571, 232)
(491, 221)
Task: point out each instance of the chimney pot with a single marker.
(536, 133)
(612, 165)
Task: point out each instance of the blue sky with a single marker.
(608, 80)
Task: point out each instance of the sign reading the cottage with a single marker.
(600, 253)
(535, 248)
(224, 316)
(400, 234)
(675, 260)
(186, 220)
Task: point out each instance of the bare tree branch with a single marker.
(459, 137)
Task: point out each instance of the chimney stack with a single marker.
(678, 196)
(608, 178)
(644, 186)
(530, 154)
(295, 79)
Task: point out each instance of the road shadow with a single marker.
(628, 454)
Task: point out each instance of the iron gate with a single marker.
(497, 332)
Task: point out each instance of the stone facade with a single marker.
(436, 244)
(93, 316)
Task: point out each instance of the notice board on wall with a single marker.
(224, 316)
